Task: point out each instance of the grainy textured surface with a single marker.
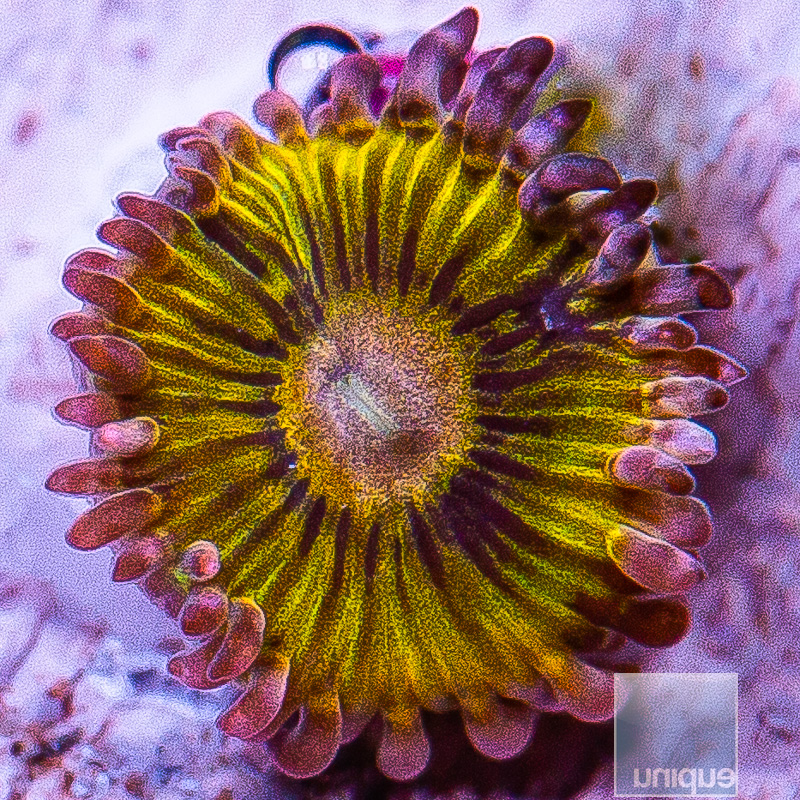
(706, 102)
(82, 717)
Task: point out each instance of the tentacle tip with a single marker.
(465, 21)
(713, 291)
(278, 112)
(55, 482)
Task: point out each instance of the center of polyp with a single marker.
(362, 400)
(383, 400)
(376, 411)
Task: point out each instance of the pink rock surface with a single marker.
(82, 717)
(706, 101)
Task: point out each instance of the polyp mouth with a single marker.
(358, 396)
(382, 399)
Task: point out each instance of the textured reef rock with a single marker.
(393, 413)
(82, 718)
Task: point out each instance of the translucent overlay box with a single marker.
(675, 735)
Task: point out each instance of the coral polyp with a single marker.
(392, 413)
(378, 407)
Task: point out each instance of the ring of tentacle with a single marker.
(393, 414)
